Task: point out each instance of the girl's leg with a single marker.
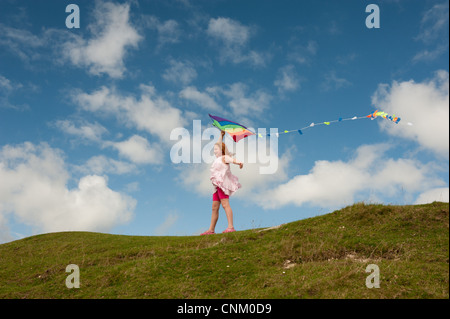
(226, 205)
(215, 215)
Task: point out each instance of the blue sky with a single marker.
(86, 114)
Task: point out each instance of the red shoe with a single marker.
(229, 230)
(208, 232)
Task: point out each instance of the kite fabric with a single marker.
(236, 130)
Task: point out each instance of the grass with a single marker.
(320, 257)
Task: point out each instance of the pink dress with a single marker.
(222, 177)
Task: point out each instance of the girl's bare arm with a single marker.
(230, 160)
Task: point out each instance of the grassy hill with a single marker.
(320, 257)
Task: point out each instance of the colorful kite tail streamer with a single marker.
(372, 116)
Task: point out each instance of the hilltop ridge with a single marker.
(320, 257)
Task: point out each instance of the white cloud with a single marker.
(434, 195)
(251, 176)
(100, 165)
(7, 89)
(5, 84)
(346, 59)
(202, 99)
(424, 104)
(112, 35)
(170, 220)
(287, 79)
(5, 233)
(102, 52)
(231, 32)
(138, 150)
(233, 37)
(21, 43)
(168, 31)
(237, 97)
(150, 113)
(433, 33)
(430, 55)
(333, 82)
(180, 72)
(86, 131)
(334, 29)
(243, 104)
(434, 23)
(34, 190)
(301, 53)
(336, 183)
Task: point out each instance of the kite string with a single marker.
(313, 124)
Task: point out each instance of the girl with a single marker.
(224, 183)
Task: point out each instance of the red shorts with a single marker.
(219, 194)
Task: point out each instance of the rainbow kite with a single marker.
(236, 130)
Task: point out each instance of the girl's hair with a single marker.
(224, 149)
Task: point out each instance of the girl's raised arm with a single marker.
(220, 140)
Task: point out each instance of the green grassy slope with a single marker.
(320, 257)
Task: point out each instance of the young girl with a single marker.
(224, 183)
